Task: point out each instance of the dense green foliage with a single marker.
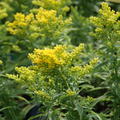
(63, 54)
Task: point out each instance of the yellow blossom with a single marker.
(77, 51)
(70, 93)
(52, 70)
(16, 48)
(47, 58)
(52, 58)
(82, 70)
(26, 73)
(58, 5)
(106, 23)
(5, 8)
(1, 62)
(94, 61)
(42, 94)
(3, 13)
(44, 24)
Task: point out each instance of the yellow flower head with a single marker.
(58, 5)
(52, 58)
(70, 93)
(54, 71)
(45, 24)
(1, 62)
(19, 25)
(3, 13)
(42, 94)
(106, 23)
(48, 58)
(82, 70)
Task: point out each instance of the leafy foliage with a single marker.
(73, 66)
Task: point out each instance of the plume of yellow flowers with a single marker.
(107, 24)
(51, 70)
(45, 24)
(3, 14)
(4, 9)
(61, 6)
(70, 93)
(1, 62)
(52, 58)
(42, 94)
(82, 70)
(20, 24)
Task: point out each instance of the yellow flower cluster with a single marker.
(58, 5)
(20, 24)
(46, 58)
(52, 58)
(70, 93)
(51, 70)
(108, 16)
(107, 22)
(16, 48)
(3, 14)
(26, 75)
(1, 62)
(4, 9)
(42, 94)
(82, 70)
(77, 51)
(43, 24)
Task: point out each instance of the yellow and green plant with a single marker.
(61, 6)
(45, 27)
(55, 74)
(107, 34)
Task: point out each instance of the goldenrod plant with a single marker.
(37, 29)
(14, 48)
(72, 71)
(107, 32)
(61, 6)
(5, 9)
(116, 1)
(10, 7)
(54, 77)
(42, 28)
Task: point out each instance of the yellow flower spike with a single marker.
(42, 94)
(29, 17)
(45, 58)
(108, 16)
(94, 61)
(20, 17)
(76, 69)
(49, 74)
(82, 70)
(52, 58)
(1, 62)
(70, 93)
(107, 24)
(14, 77)
(96, 21)
(59, 49)
(77, 51)
(44, 24)
(3, 13)
(59, 5)
(26, 73)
